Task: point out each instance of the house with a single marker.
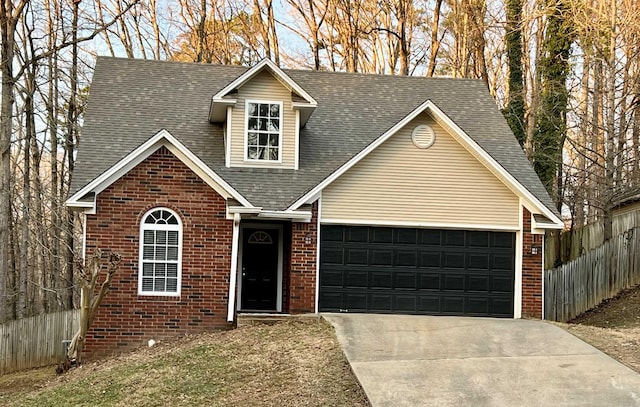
(229, 189)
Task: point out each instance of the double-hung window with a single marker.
(264, 131)
(160, 253)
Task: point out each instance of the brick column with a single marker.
(302, 279)
(532, 284)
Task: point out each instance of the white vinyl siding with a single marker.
(401, 184)
(160, 253)
(263, 88)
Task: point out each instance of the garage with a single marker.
(416, 271)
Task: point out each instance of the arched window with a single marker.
(160, 253)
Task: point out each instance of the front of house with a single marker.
(229, 190)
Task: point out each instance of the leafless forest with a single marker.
(565, 72)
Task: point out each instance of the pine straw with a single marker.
(297, 362)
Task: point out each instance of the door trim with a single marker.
(280, 261)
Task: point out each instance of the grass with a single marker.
(295, 362)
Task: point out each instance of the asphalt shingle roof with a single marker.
(131, 100)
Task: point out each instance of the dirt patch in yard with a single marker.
(613, 327)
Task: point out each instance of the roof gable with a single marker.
(460, 135)
(160, 139)
(224, 97)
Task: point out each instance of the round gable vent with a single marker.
(423, 136)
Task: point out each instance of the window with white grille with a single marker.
(160, 253)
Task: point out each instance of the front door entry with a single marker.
(259, 269)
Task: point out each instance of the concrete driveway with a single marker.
(403, 360)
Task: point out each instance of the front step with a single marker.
(248, 319)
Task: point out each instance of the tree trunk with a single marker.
(435, 42)
(90, 301)
(9, 14)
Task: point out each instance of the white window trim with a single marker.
(246, 131)
(144, 227)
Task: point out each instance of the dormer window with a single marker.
(264, 131)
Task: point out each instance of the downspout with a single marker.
(84, 235)
(231, 309)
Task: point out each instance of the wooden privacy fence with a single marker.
(585, 282)
(571, 244)
(36, 341)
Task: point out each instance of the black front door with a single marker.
(259, 269)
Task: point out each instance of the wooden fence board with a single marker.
(585, 282)
(36, 341)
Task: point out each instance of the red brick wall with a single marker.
(126, 318)
(302, 274)
(531, 270)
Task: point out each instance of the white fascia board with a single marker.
(243, 209)
(303, 216)
(279, 73)
(540, 227)
(162, 138)
(296, 160)
(459, 134)
(218, 109)
(227, 135)
(80, 204)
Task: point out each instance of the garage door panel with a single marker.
(333, 278)
(477, 305)
(381, 279)
(405, 303)
(429, 281)
(430, 259)
(357, 279)
(478, 239)
(380, 302)
(405, 258)
(453, 305)
(331, 255)
(501, 262)
(332, 300)
(357, 257)
(502, 305)
(357, 234)
(454, 260)
(503, 239)
(429, 304)
(382, 235)
(478, 261)
(333, 234)
(479, 283)
(380, 257)
(355, 301)
(423, 271)
(430, 237)
(454, 238)
(405, 280)
(405, 236)
(453, 282)
(501, 284)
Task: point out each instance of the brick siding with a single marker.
(302, 274)
(128, 319)
(532, 283)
